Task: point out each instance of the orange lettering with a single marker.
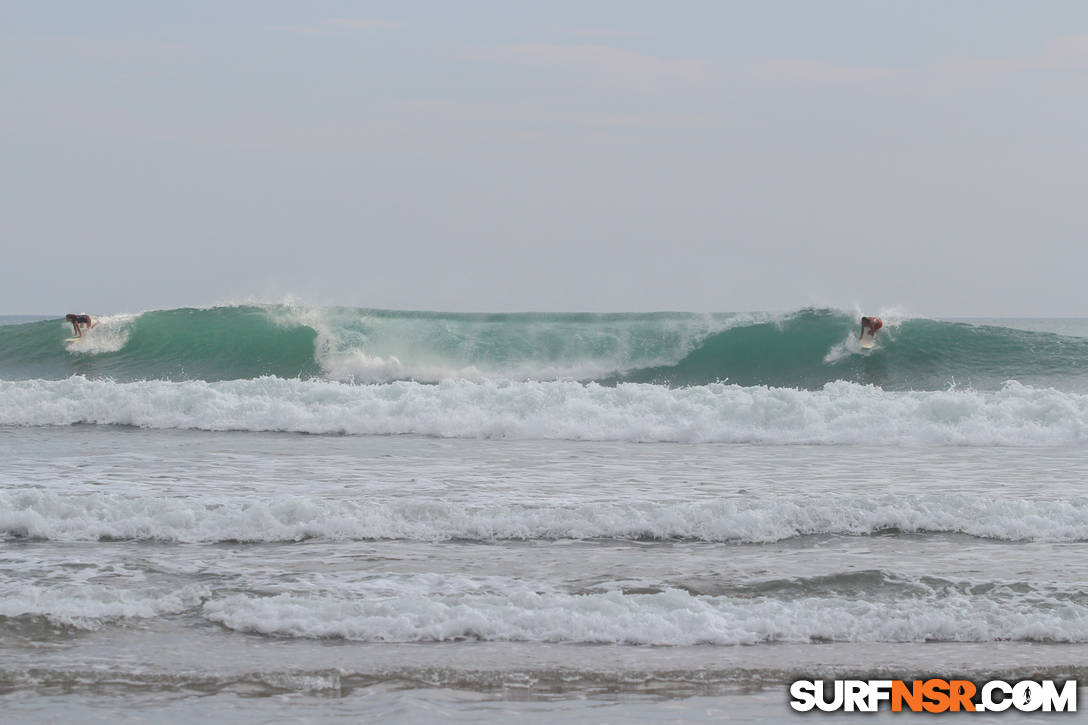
(960, 694)
(936, 691)
(912, 695)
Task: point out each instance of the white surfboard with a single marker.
(867, 342)
(72, 339)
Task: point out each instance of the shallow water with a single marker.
(510, 542)
(263, 577)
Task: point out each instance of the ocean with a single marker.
(274, 513)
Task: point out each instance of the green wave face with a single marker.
(805, 349)
(184, 344)
(814, 347)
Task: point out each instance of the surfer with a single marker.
(872, 324)
(79, 320)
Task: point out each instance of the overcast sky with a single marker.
(508, 156)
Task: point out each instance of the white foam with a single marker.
(109, 334)
(88, 606)
(351, 346)
(60, 517)
(892, 317)
(850, 345)
(430, 610)
(839, 413)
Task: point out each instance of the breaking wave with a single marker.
(838, 413)
(804, 349)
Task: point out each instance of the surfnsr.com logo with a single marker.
(933, 695)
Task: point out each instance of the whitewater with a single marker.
(262, 512)
(838, 413)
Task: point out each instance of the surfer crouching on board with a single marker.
(872, 324)
(79, 320)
